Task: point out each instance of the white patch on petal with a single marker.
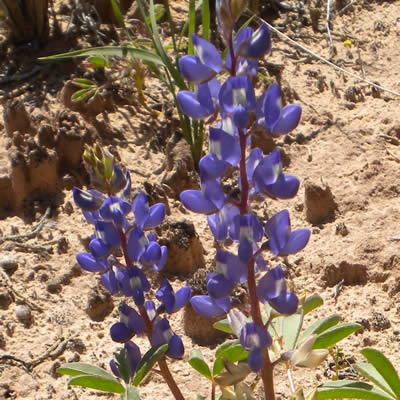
(222, 268)
(135, 282)
(246, 232)
(167, 335)
(124, 319)
(279, 102)
(253, 340)
(227, 126)
(215, 148)
(239, 97)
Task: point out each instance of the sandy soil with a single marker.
(345, 151)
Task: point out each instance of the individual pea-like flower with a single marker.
(276, 119)
(221, 221)
(271, 288)
(133, 355)
(237, 93)
(131, 323)
(203, 65)
(229, 269)
(211, 197)
(267, 176)
(201, 103)
(114, 210)
(224, 146)
(256, 339)
(163, 334)
(170, 301)
(210, 307)
(282, 241)
(88, 200)
(135, 284)
(147, 217)
(89, 263)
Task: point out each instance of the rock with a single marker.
(341, 229)
(180, 173)
(99, 303)
(351, 274)
(319, 203)
(9, 263)
(23, 313)
(185, 251)
(54, 286)
(16, 118)
(5, 298)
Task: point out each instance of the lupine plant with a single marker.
(268, 330)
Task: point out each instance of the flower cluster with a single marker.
(109, 213)
(233, 103)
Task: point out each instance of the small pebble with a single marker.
(9, 263)
(23, 313)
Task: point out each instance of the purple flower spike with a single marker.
(224, 146)
(87, 201)
(209, 307)
(258, 45)
(163, 334)
(91, 264)
(131, 323)
(279, 120)
(171, 301)
(237, 91)
(281, 240)
(255, 338)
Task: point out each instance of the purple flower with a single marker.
(210, 307)
(134, 284)
(272, 288)
(147, 217)
(131, 323)
(171, 301)
(257, 45)
(114, 210)
(237, 91)
(163, 334)
(90, 263)
(204, 65)
(87, 201)
(221, 221)
(133, 355)
(255, 338)
(224, 146)
(282, 241)
(279, 120)
(202, 102)
(267, 176)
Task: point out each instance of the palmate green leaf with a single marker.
(291, 327)
(97, 383)
(368, 371)
(110, 51)
(311, 303)
(320, 326)
(78, 368)
(348, 389)
(333, 335)
(223, 326)
(197, 362)
(384, 367)
(147, 362)
(131, 393)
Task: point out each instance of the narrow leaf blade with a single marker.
(368, 371)
(320, 326)
(97, 383)
(147, 362)
(78, 368)
(348, 389)
(384, 367)
(333, 335)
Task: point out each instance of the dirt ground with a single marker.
(345, 152)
